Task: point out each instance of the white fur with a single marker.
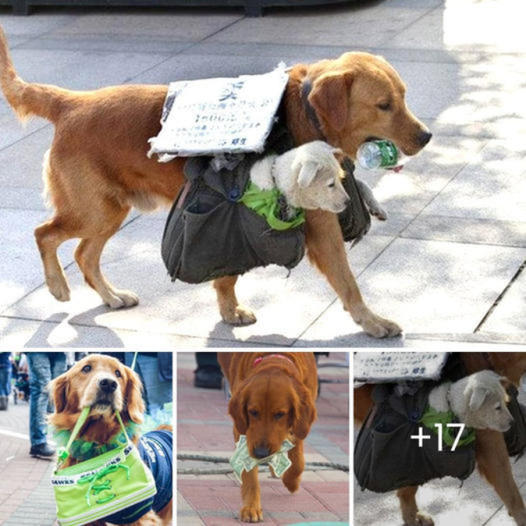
(478, 400)
(309, 177)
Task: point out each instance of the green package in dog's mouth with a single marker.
(242, 461)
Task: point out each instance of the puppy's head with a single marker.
(359, 96)
(317, 178)
(486, 402)
(270, 407)
(100, 382)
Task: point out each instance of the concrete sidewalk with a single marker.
(26, 496)
(205, 428)
(447, 263)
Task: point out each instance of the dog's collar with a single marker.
(306, 88)
(259, 359)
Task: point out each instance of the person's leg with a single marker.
(5, 380)
(39, 377)
(208, 373)
(158, 387)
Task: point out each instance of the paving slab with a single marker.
(492, 187)
(508, 315)
(467, 24)
(340, 25)
(428, 287)
(183, 25)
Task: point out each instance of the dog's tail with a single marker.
(25, 98)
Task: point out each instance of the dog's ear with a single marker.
(58, 389)
(133, 401)
(303, 411)
(237, 409)
(307, 173)
(504, 382)
(330, 98)
(478, 395)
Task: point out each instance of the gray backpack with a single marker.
(386, 458)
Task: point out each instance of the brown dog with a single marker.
(97, 168)
(104, 384)
(491, 453)
(272, 400)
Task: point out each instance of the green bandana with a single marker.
(432, 417)
(266, 204)
(82, 450)
(242, 461)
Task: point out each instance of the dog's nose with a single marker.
(424, 137)
(261, 452)
(108, 385)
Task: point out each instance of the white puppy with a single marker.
(478, 400)
(309, 177)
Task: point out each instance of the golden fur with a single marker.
(79, 387)
(271, 401)
(97, 168)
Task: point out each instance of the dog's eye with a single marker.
(254, 413)
(86, 369)
(331, 185)
(384, 106)
(498, 407)
(279, 415)
(118, 374)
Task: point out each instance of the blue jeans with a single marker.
(43, 367)
(157, 386)
(5, 374)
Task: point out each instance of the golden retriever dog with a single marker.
(97, 168)
(492, 456)
(106, 385)
(273, 399)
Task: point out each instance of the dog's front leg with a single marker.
(326, 251)
(291, 477)
(410, 513)
(230, 309)
(251, 510)
(494, 465)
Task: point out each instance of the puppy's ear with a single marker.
(237, 409)
(58, 389)
(133, 402)
(303, 411)
(477, 398)
(330, 98)
(308, 171)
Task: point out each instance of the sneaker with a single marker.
(42, 450)
(208, 376)
(3, 402)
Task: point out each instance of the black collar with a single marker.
(306, 87)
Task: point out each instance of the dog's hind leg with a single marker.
(410, 513)
(88, 255)
(494, 465)
(49, 236)
(230, 309)
(326, 251)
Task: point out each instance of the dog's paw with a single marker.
(119, 299)
(251, 514)
(378, 212)
(378, 327)
(421, 519)
(292, 484)
(240, 316)
(58, 286)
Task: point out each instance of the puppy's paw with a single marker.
(239, 316)
(251, 514)
(378, 212)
